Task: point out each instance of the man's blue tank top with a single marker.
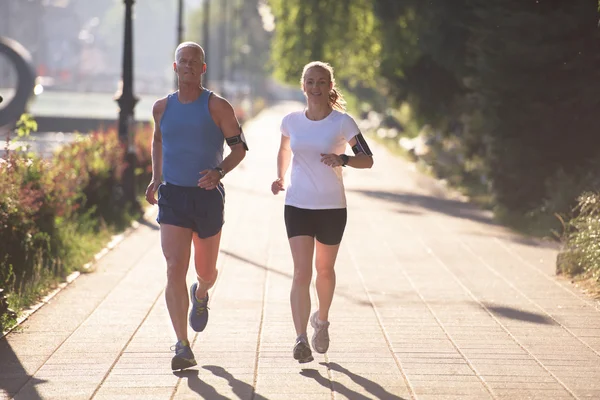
(191, 141)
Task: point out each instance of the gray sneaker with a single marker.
(320, 339)
(302, 351)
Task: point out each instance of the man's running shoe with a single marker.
(184, 358)
(199, 311)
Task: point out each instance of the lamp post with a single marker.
(223, 46)
(180, 22)
(179, 33)
(127, 102)
(205, 37)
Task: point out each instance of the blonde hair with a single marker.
(336, 99)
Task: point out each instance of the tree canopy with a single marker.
(513, 80)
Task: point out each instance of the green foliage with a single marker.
(342, 33)
(532, 67)
(425, 50)
(581, 253)
(54, 214)
(25, 125)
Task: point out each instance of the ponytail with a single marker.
(336, 99)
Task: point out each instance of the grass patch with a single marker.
(82, 243)
(581, 240)
(56, 214)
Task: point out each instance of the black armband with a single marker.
(232, 141)
(361, 145)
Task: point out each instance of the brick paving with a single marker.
(434, 301)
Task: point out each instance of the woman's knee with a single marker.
(325, 273)
(302, 276)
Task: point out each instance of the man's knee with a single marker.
(207, 279)
(176, 271)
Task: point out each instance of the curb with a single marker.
(116, 239)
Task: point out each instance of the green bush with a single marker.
(581, 240)
(55, 214)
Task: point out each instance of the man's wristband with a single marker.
(220, 171)
(345, 159)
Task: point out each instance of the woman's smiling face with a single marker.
(316, 85)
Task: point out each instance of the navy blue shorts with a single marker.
(327, 226)
(196, 208)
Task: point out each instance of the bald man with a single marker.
(191, 127)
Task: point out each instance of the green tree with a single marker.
(424, 51)
(344, 33)
(533, 63)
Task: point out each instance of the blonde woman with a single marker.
(315, 202)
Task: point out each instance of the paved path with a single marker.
(433, 301)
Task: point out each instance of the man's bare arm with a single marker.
(157, 112)
(224, 116)
(230, 126)
(156, 151)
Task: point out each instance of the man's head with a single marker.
(189, 63)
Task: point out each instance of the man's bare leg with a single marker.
(206, 252)
(176, 246)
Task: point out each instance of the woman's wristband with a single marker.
(345, 159)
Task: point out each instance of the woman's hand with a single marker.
(278, 185)
(333, 160)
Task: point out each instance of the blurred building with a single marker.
(76, 45)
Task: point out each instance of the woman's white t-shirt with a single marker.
(314, 185)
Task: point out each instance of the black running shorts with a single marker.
(327, 226)
(192, 207)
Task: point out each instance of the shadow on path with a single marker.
(372, 387)
(248, 261)
(333, 386)
(449, 207)
(197, 386)
(453, 208)
(520, 315)
(149, 224)
(240, 388)
(13, 377)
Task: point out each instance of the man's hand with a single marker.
(151, 191)
(210, 179)
(278, 185)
